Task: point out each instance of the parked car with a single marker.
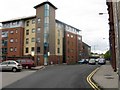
(92, 61)
(26, 63)
(101, 61)
(10, 65)
(83, 61)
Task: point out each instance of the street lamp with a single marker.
(102, 13)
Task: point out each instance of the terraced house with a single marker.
(41, 37)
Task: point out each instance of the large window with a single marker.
(27, 23)
(15, 49)
(11, 32)
(27, 32)
(38, 30)
(58, 50)
(27, 50)
(27, 40)
(11, 40)
(11, 49)
(38, 40)
(33, 30)
(32, 48)
(33, 40)
(58, 41)
(38, 49)
(33, 21)
(38, 20)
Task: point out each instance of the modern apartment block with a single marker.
(48, 40)
(86, 52)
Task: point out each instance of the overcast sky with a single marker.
(82, 14)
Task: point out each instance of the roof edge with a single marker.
(46, 2)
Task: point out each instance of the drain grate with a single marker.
(108, 76)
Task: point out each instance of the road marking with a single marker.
(92, 84)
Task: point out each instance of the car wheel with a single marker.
(14, 69)
(26, 67)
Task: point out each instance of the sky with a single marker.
(82, 14)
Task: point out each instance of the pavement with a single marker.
(105, 77)
(37, 67)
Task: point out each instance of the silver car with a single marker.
(10, 65)
(92, 61)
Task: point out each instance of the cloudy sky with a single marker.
(82, 14)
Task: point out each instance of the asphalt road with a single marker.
(57, 76)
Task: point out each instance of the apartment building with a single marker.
(86, 51)
(49, 40)
(12, 39)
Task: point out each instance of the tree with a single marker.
(107, 55)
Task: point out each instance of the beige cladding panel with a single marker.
(61, 41)
(30, 36)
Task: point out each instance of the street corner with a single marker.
(90, 80)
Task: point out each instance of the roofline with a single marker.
(21, 18)
(46, 2)
(68, 25)
(86, 44)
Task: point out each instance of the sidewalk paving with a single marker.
(105, 77)
(37, 67)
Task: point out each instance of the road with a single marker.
(57, 76)
(9, 77)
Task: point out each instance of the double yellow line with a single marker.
(93, 85)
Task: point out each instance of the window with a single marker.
(46, 19)
(27, 40)
(32, 48)
(38, 20)
(11, 40)
(68, 35)
(4, 63)
(33, 21)
(58, 41)
(58, 50)
(33, 40)
(38, 30)
(38, 39)
(79, 38)
(59, 33)
(33, 30)
(16, 31)
(27, 32)
(47, 6)
(71, 36)
(14, 23)
(11, 63)
(38, 49)
(11, 49)
(27, 23)
(27, 50)
(11, 32)
(15, 49)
